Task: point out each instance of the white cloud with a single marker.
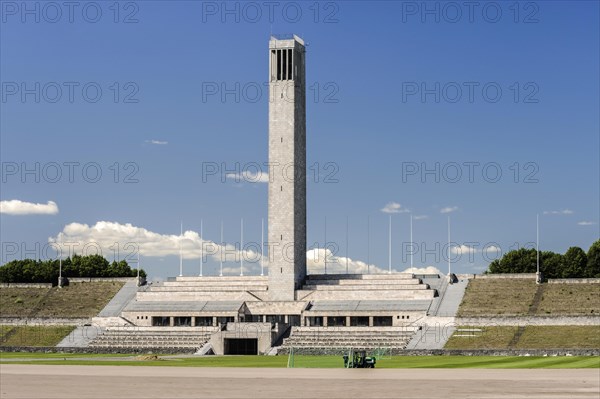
(492, 249)
(315, 263)
(563, 212)
(463, 249)
(105, 234)
(586, 223)
(394, 207)
(249, 176)
(449, 209)
(420, 217)
(17, 207)
(157, 142)
(423, 270)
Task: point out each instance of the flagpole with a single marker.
(201, 248)
(346, 244)
(221, 251)
(242, 247)
(262, 247)
(390, 246)
(181, 252)
(368, 244)
(448, 245)
(411, 244)
(325, 244)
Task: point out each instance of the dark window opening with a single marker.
(225, 320)
(182, 321)
(382, 321)
(161, 321)
(278, 64)
(289, 65)
(359, 321)
(284, 65)
(316, 321)
(204, 321)
(241, 346)
(336, 321)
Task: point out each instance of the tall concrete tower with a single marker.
(287, 157)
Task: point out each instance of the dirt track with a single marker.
(33, 381)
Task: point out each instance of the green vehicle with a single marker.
(359, 360)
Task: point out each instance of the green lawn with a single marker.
(36, 335)
(533, 337)
(489, 338)
(490, 297)
(75, 300)
(563, 337)
(334, 361)
(570, 299)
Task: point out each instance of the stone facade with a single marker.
(287, 172)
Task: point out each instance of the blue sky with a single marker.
(369, 123)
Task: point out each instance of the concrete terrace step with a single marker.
(220, 279)
(208, 288)
(366, 287)
(385, 276)
(391, 281)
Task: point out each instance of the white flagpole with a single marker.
(368, 244)
(390, 247)
(448, 245)
(242, 248)
(411, 245)
(201, 248)
(537, 248)
(325, 244)
(181, 252)
(221, 251)
(262, 247)
(346, 244)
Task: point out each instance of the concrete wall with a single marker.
(529, 321)
(531, 276)
(44, 321)
(25, 285)
(574, 281)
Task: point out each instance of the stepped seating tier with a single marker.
(154, 337)
(368, 338)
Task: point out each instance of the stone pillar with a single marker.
(324, 321)
(172, 321)
(347, 321)
(214, 321)
(370, 321)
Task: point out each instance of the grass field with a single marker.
(489, 338)
(75, 300)
(570, 299)
(34, 335)
(507, 362)
(533, 337)
(490, 297)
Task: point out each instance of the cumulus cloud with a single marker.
(449, 209)
(463, 249)
(586, 223)
(394, 207)
(423, 270)
(104, 235)
(17, 207)
(561, 212)
(315, 263)
(157, 142)
(249, 176)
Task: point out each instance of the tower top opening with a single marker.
(287, 36)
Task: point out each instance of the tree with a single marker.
(574, 263)
(593, 261)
